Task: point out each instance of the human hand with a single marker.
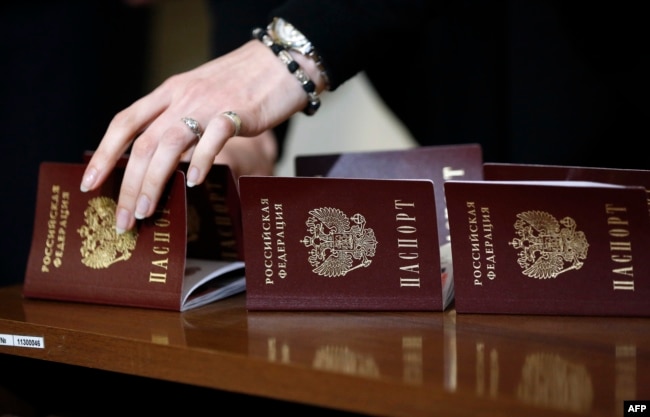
(250, 81)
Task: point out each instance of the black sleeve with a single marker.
(231, 22)
(348, 34)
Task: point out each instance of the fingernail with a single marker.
(122, 219)
(142, 208)
(192, 176)
(88, 180)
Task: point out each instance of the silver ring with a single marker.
(236, 121)
(194, 126)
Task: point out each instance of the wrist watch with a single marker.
(287, 35)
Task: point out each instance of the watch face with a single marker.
(288, 34)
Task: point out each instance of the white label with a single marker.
(22, 341)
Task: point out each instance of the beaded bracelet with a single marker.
(293, 67)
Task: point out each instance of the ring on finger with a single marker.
(235, 120)
(194, 126)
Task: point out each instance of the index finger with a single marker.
(120, 134)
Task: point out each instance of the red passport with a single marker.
(76, 254)
(549, 247)
(341, 244)
(436, 163)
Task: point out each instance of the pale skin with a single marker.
(250, 81)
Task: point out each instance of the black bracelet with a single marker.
(294, 68)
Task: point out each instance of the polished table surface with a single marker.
(374, 363)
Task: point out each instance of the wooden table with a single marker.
(389, 364)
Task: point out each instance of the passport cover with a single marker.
(549, 247)
(76, 255)
(437, 163)
(315, 243)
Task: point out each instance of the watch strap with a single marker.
(313, 100)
